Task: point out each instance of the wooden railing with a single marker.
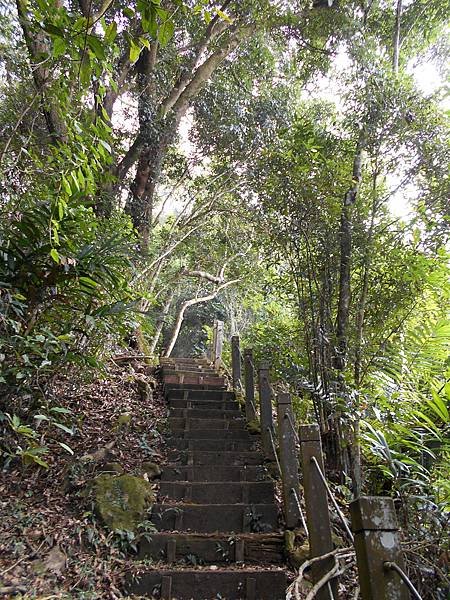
(374, 534)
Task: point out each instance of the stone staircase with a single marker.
(218, 534)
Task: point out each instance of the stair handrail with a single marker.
(386, 572)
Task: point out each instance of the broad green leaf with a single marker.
(165, 32)
(59, 47)
(135, 51)
(53, 30)
(111, 32)
(96, 46)
(55, 255)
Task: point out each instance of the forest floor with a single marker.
(51, 544)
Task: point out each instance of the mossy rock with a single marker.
(123, 420)
(296, 551)
(254, 426)
(151, 469)
(113, 467)
(122, 501)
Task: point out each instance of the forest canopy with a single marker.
(279, 165)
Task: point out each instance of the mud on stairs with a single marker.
(216, 507)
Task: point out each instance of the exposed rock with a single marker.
(101, 454)
(122, 501)
(151, 469)
(55, 561)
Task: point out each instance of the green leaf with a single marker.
(87, 281)
(61, 410)
(59, 47)
(96, 46)
(135, 51)
(66, 447)
(105, 145)
(63, 427)
(111, 32)
(66, 186)
(223, 16)
(55, 255)
(38, 460)
(85, 70)
(41, 418)
(53, 30)
(165, 32)
(438, 406)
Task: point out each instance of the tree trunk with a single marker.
(367, 260)
(158, 131)
(185, 306)
(159, 328)
(345, 235)
(38, 46)
(344, 436)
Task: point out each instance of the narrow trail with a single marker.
(216, 509)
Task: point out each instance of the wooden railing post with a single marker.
(217, 344)
(236, 362)
(288, 460)
(317, 514)
(377, 542)
(212, 349)
(249, 377)
(265, 409)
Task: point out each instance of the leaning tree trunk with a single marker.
(185, 306)
(160, 325)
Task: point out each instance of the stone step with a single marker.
(238, 584)
(176, 423)
(212, 445)
(255, 492)
(169, 386)
(219, 549)
(194, 380)
(232, 459)
(172, 472)
(210, 518)
(184, 360)
(220, 434)
(204, 413)
(225, 405)
(198, 395)
(188, 370)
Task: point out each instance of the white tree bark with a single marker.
(186, 305)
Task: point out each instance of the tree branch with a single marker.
(186, 305)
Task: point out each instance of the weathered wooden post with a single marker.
(288, 460)
(377, 542)
(265, 409)
(236, 362)
(217, 344)
(249, 378)
(317, 514)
